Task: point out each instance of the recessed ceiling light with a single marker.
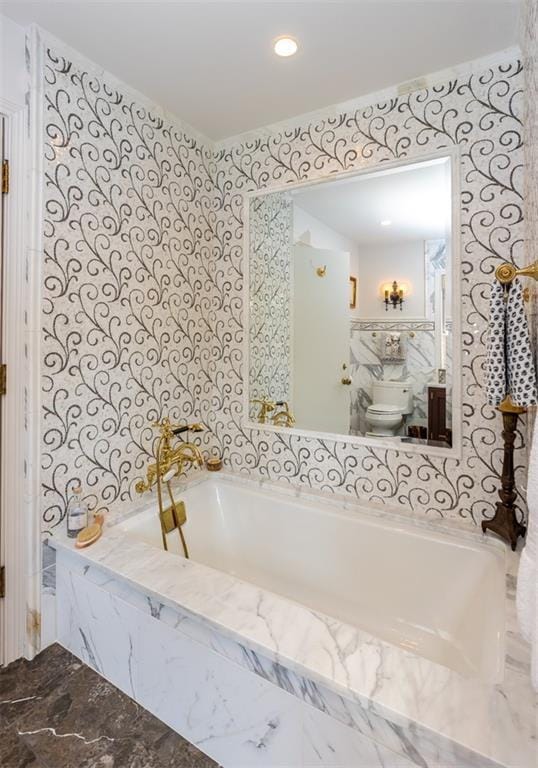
(285, 46)
(386, 223)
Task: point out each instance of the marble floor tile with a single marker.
(76, 719)
(14, 753)
(24, 683)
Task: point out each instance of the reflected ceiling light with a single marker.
(285, 46)
(386, 223)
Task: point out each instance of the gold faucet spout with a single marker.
(188, 453)
(171, 460)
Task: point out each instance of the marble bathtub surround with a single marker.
(368, 365)
(239, 718)
(417, 706)
(159, 300)
(56, 712)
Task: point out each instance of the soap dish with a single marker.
(88, 535)
(214, 464)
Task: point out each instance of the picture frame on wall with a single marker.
(352, 292)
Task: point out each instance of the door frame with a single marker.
(20, 538)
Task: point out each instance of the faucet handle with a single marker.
(188, 428)
(176, 429)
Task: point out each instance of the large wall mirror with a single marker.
(350, 296)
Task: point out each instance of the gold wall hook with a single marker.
(345, 380)
(321, 271)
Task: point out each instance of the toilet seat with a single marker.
(384, 409)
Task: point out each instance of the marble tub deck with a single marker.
(58, 713)
(420, 710)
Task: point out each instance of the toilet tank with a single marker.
(397, 393)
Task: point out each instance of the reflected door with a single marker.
(321, 339)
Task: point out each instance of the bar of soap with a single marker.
(88, 535)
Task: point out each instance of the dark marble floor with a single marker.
(57, 713)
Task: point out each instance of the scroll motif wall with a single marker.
(271, 336)
(126, 290)
(143, 281)
(481, 114)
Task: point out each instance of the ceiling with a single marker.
(212, 64)
(414, 198)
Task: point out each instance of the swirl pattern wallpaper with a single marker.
(143, 283)
(128, 238)
(481, 114)
(271, 321)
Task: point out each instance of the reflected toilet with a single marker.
(392, 400)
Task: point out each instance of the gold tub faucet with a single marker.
(284, 417)
(266, 406)
(171, 460)
(281, 418)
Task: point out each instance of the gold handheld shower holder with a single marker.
(170, 461)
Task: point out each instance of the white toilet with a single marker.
(392, 400)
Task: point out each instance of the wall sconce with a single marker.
(394, 295)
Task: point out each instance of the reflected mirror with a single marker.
(349, 284)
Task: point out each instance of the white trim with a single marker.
(33, 305)
(16, 516)
(455, 452)
(20, 611)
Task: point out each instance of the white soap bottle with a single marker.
(77, 512)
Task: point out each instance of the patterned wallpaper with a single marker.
(143, 279)
(270, 289)
(128, 236)
(481, 113)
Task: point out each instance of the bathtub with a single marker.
(438, 595)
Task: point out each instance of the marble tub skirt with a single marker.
(238, 705)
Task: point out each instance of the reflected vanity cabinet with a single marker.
(437, 414)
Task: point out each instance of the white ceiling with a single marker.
(212, 63)
(414, 198)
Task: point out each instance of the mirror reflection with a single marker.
(349, 291)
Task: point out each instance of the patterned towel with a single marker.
(510, 365)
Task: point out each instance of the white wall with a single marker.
(379, 264)
(307, 229)
(12, 62)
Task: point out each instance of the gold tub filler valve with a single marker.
(170, 462)
(281, 418)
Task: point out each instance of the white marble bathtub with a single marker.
(225, 650)
(411, 586)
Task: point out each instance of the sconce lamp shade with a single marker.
(394, 294)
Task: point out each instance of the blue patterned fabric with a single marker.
(510, 365)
